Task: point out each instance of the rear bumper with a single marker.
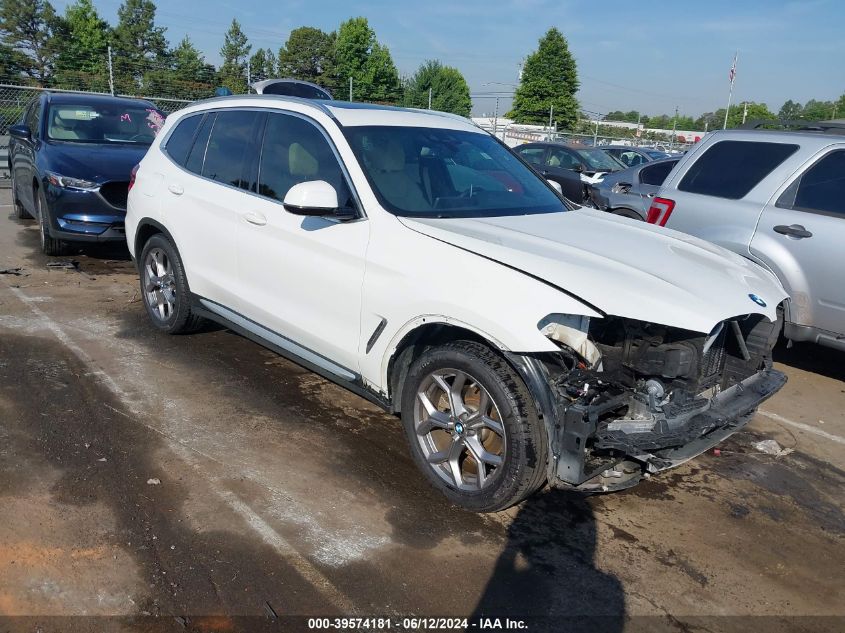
(584, 456)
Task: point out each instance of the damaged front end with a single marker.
(624, 398)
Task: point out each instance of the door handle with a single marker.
(175, 189)
(258, 219)
(793, 230)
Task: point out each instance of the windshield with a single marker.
(599, 160)
(447, 173)
(103, 123)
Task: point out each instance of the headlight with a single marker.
(66, 182)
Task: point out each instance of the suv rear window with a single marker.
(656, 174)
(730, 169)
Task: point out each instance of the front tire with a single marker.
(164, 287)
(473, 428)
(49, 245)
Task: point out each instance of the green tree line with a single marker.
(812, 110)
(39, 46)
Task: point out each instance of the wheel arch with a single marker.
(148, 227)
(425, 335)
(626, 212)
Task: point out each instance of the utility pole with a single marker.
(111, 74)
(496, 118)
(350, 88)
(429, 98)
(551, 116)
(248, 74)
(674, 128)
(596, 134)
(744, 111)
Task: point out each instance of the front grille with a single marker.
(116, 193)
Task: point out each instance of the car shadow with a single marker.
(811, 357)
(546, 575)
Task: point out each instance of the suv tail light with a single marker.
(132, 176)
(659, 211)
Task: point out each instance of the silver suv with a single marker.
(778, 198)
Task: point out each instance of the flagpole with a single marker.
(731, 92)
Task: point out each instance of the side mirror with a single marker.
(579, 168)
(315, 198)
(21, 132)
(556, 185)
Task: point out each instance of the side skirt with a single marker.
(285, 347)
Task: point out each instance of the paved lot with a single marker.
(281, 493)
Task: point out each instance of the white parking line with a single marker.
(302, 565)
(802, 426)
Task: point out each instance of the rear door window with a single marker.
(730, 169)
(656, 174)
(820, 189)
(180, 140)
(231, 147)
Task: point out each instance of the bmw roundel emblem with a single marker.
(757, 300)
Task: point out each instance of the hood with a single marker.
(622, 267)
(92, 161)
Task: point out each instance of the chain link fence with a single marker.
(15, 99)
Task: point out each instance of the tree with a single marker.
(82, 61)
(308, 55)
(755, 111)
(12, 63)
(26, 27)
(234, 53)
(817, 110)
(359, 56)
(449, 89)
(262, 65)
(139, 45)
(192, 76)
(549, 83)
(790, 110)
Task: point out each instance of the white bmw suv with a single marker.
(413, 258)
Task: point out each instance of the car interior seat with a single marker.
(386, 158)
(63, 129)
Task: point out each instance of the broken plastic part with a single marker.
(571, 330)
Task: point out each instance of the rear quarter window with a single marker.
(181, 139)
(730, 169)
(656, 174)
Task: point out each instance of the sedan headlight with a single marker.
(66, 182)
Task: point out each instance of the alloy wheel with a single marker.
(159, 284)
(459, 429)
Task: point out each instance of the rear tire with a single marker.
(164, 287)
(20, 212)
(480, 442)
(49, 245)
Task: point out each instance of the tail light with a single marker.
(132, 176)
(659, 211)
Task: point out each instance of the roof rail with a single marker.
(796, 125)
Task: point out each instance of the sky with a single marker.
(640, 55)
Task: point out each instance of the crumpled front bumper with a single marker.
(572, 430)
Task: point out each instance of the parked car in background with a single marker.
(71, 158)
(411, 257)
(777, 198)
(629, 192)
(632, 156)
(573, 167)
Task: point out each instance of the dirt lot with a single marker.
(279, 493)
